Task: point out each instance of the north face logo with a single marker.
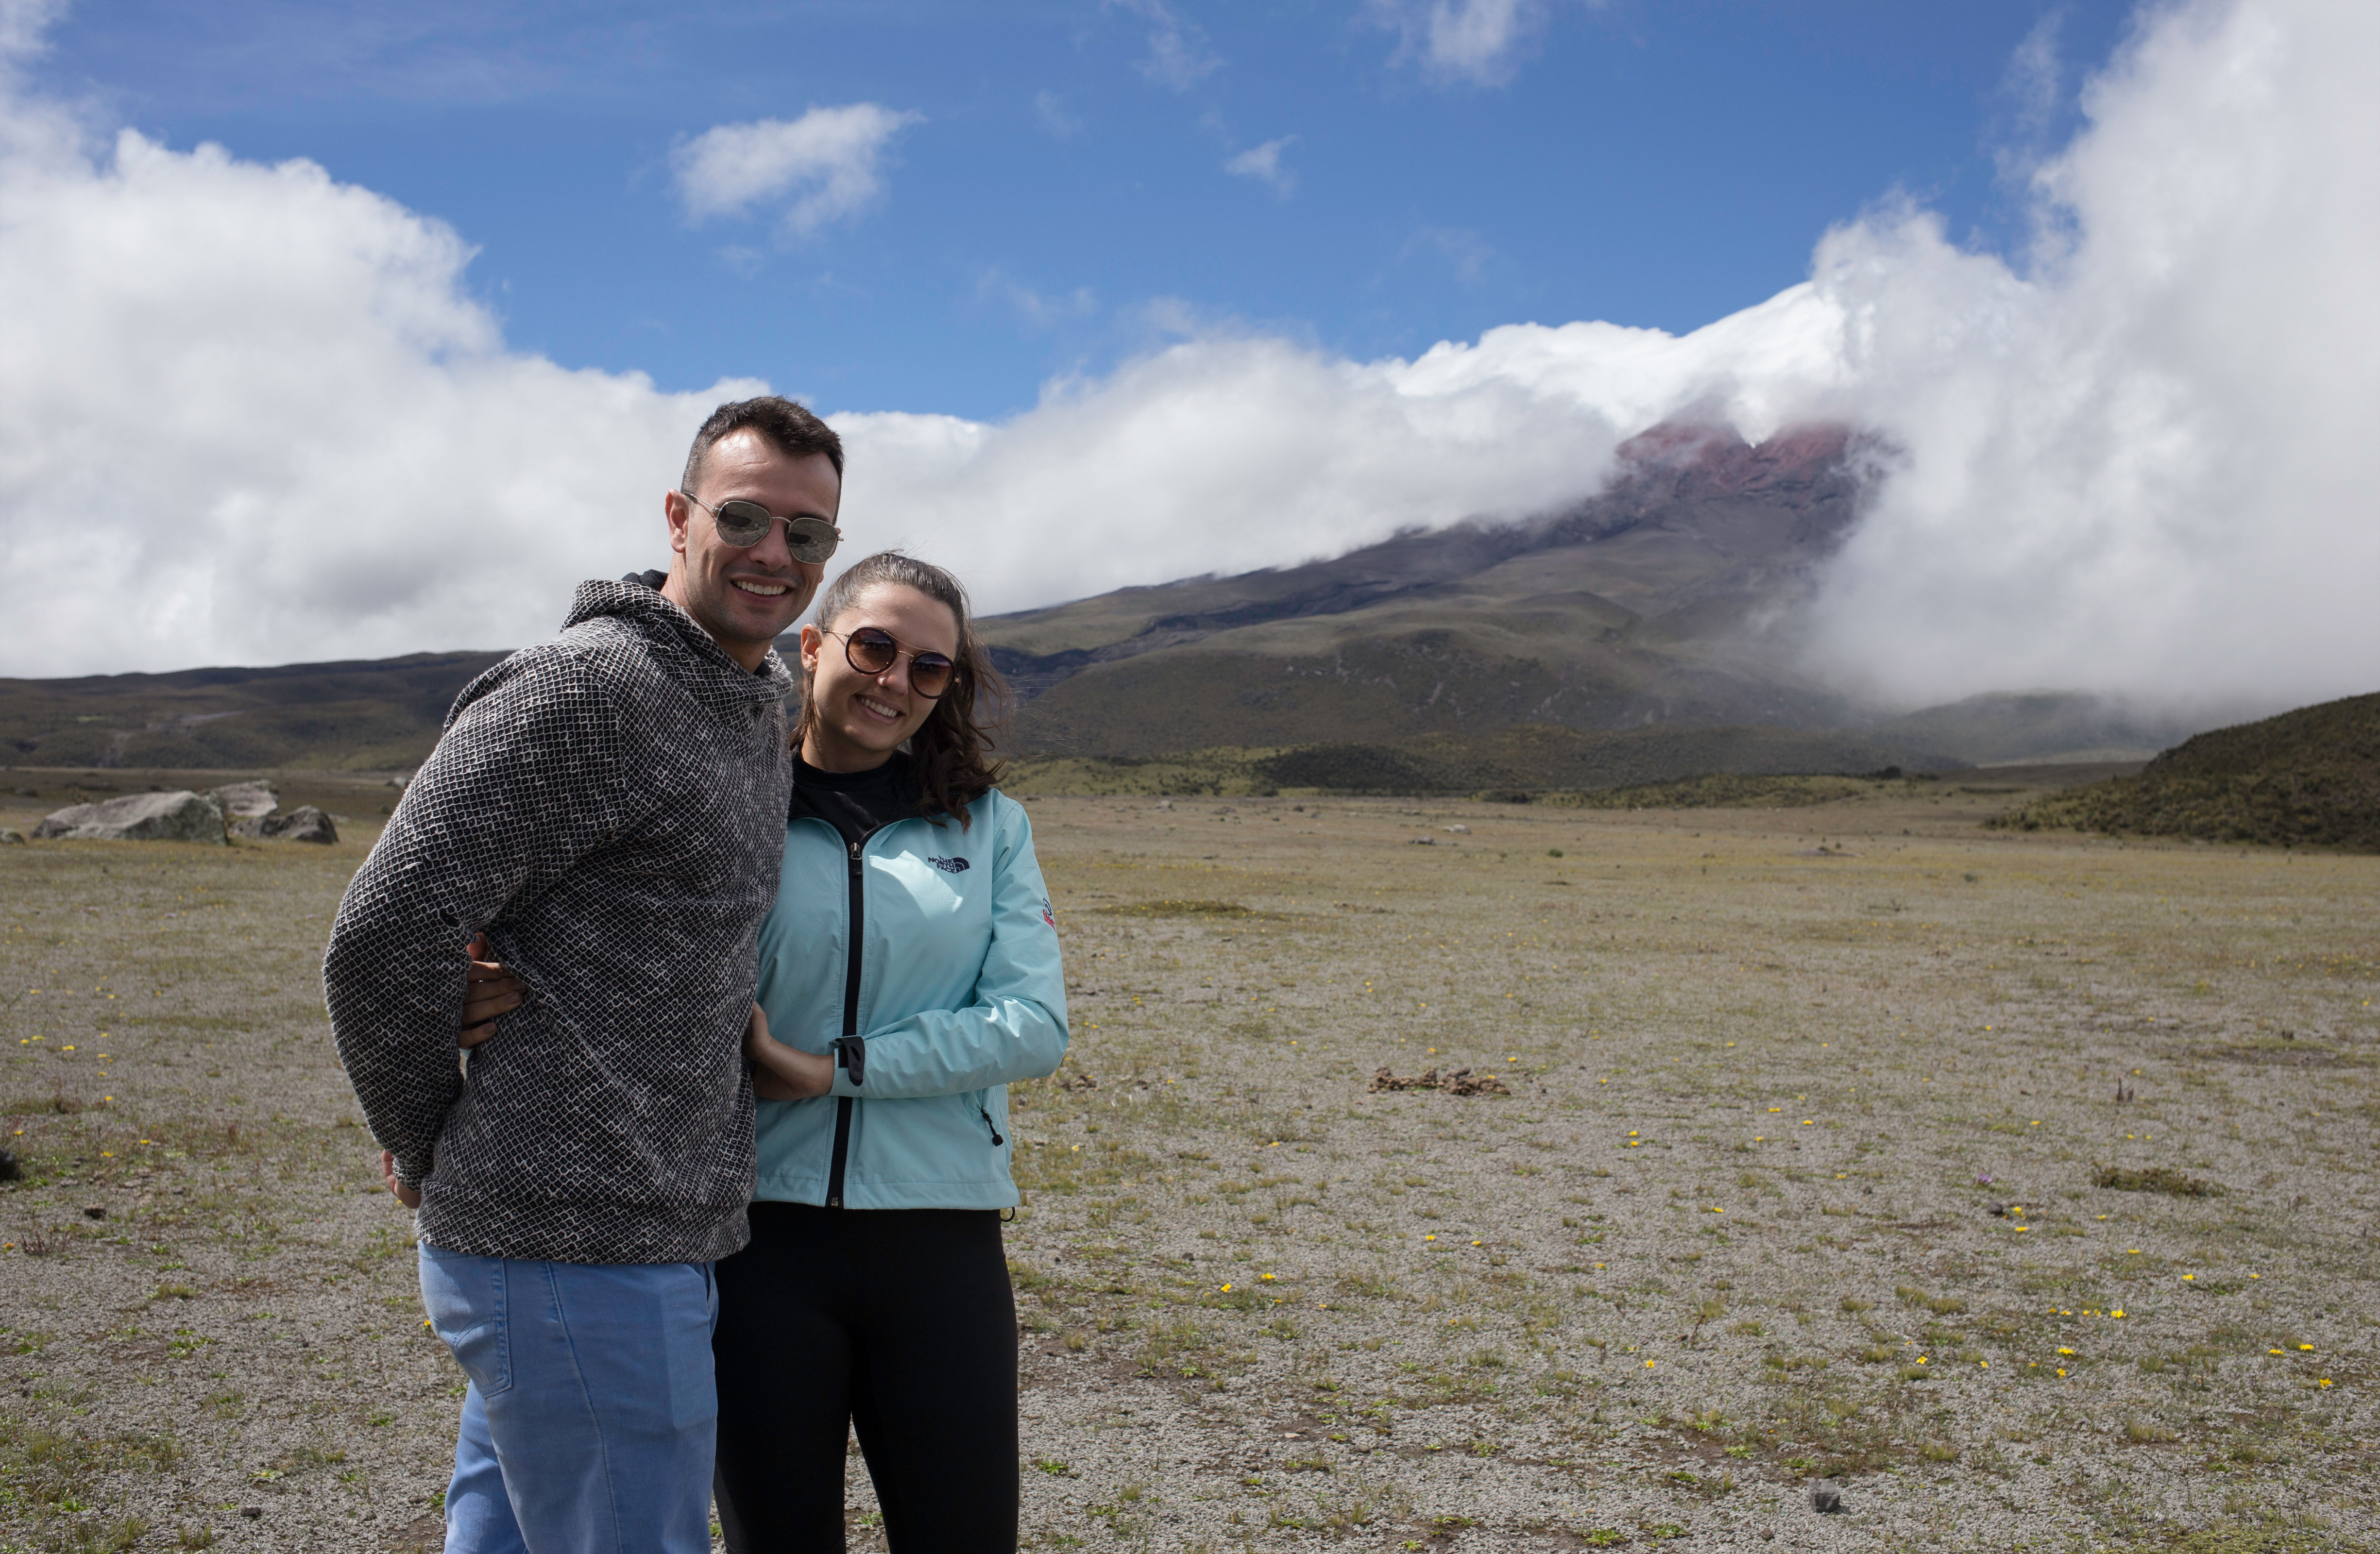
(950, 866)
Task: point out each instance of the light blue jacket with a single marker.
(960, 991)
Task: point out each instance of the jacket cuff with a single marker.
(850, 1057)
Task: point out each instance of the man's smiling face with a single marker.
(745, 597)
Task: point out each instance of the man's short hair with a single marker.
(785, 426)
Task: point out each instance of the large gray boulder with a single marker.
(304, 823)
(247, 800)
(175, 817)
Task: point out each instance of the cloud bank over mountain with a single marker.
(248, 414)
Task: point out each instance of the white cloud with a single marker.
(1033, 307)
(1263, 163)
(1055, 120)
(254, 418)
(829, 160)
(2147, 465)
(1178, 55)
(1478, 41)
(24, 26)
(1465, 254)
(257, 417)
(2032, 92)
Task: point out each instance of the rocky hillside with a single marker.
(1636, 606)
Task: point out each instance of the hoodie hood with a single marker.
(679, 637)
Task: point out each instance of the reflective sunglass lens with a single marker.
(872, 652)
(811, 539)
(742, 523)
(930, 674)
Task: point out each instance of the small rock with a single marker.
(1825, 1499)
(10, 835)
(304, 823)
(247, 800)
(1425, 842)
(95, 1211)
(1457, 831)
(9, 1170)
(253, 1513)
(175, 817)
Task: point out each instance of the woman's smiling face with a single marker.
(862, 719)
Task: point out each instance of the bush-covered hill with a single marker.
(2305, 779)
(358, 716)
(1530, 758)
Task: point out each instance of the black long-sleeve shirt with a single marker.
(609, 809)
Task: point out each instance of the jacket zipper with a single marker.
(850, 1023)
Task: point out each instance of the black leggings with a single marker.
(897, 1322)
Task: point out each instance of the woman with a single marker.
(908, 972)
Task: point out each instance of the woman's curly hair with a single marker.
(951, 752)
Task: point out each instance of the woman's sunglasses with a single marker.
(745, 524)
(872, 650)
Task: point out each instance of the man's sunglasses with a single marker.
(745, 524)
(872, 650)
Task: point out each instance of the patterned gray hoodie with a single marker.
(610, 808)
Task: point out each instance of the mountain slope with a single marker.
(2307, 778)
(365, 715)
(1640, 605)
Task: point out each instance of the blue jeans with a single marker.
(590, 1422)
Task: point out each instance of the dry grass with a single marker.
(1772, 1072)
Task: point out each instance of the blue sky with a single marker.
(1060, 202)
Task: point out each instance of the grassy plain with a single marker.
(1733, 1231)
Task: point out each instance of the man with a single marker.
(608, 810)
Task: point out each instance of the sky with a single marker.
(328, 332)
(1052, 188)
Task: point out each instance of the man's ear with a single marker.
(676, 511)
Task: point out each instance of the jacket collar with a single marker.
(654, 616)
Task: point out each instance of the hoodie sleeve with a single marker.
(526, 779)
(1016, 1027)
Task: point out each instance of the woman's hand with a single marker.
(410, 1197)
(488, 990)
(782, 1073)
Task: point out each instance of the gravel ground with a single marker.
(1797, 1186)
